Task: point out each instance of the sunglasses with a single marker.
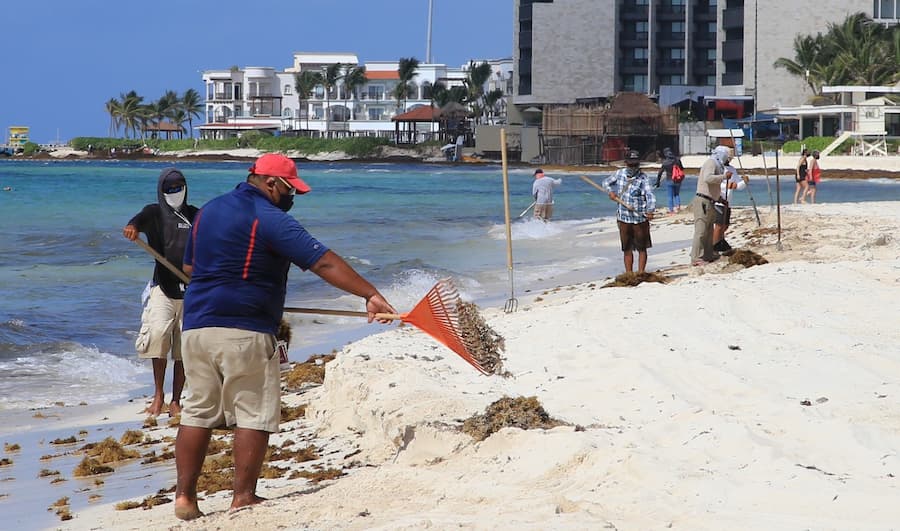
(291, 189)
(174, 188)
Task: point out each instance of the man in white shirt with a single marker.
(542, 191)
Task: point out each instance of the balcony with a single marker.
(704, 39)
(634, 40)
(670, 40)
(733, 51)
(633, 66)
(631, 12)
(733, 78)
(733, 18)
(704, 68)
(524, 39)
(670, 66)
(670, 12)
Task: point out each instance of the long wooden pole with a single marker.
(509, 256)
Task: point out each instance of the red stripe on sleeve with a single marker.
(194, 237)
(250, 249)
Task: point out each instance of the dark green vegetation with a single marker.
(857, 51)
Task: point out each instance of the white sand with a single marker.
(689, 399)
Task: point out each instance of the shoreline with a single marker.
(730, 397)
(834, 166)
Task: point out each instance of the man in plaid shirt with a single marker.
(631, 187)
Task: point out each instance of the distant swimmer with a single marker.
(7, 188)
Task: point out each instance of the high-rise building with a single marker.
(570, 51)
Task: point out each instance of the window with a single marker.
(640, 53)
(287, 113)
(677, 2)
(238, 92)
(887, 9)
(635, 84)
(672, 80)
(641, 27)
(676, 53)
(288, 90)
(678, 27)
(238, 111)
(317, 113)
(319, 92)
(375, 92)
(710, 81)
(376, 113)
(711, 28)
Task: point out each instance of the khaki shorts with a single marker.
(160, 327)
(233, 379)
(544, 212)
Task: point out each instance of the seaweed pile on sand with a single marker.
(747, 258)
(630, 279)
(481, 340)
(523, 412)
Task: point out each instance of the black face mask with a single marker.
(286, 202)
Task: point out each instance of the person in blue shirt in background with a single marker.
(238, 255)
(632, 187)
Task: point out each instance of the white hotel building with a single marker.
(265, 99)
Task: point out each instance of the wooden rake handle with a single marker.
(347, 313)
(319, 311)
(162, 260)
(587, 179)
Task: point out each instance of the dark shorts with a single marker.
(723, 213)
(635, 236)
(812, 183)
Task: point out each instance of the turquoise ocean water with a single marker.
(70, 284)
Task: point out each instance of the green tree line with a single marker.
(857, 51)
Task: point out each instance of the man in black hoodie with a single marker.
(167, 224)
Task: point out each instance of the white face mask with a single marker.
(177, 199)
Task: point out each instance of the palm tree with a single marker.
(476, 77)
(304, 84)
(329, 81)
(805, 63)
(354, 77)
(131, 111)
(406, 70)
(114, 108)
(192, 107)
(490, 102)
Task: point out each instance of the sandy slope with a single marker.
(731, 398)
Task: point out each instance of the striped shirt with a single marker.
(635, 192)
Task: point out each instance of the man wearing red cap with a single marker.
(239, 253)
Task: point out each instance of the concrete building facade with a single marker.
(570, 51)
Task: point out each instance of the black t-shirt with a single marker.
(149, 221)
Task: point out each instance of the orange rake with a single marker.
(437, 314)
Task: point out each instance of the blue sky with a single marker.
(63, 59)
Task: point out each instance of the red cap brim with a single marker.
(298, 184)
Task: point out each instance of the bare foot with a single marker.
(174, 409)
(187, 509)
(155, 407)
(240, 502)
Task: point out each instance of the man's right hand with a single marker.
(130, 232)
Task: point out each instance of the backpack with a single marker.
(677, 174)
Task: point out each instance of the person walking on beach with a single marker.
(709, 180)
(167, 224)
(673, 171)
(239, 254)
(800, 177)
(813, 177)
(632, 187)
(542, 191)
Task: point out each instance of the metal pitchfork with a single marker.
(512, 304)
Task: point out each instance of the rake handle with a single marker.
(587, 179)
(348, 313)
(162, 260)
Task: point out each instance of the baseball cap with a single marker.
(278, 165)
(537, 171)
(632, 156)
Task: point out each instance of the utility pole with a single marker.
(428, 38)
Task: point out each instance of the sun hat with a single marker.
(277, 165)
